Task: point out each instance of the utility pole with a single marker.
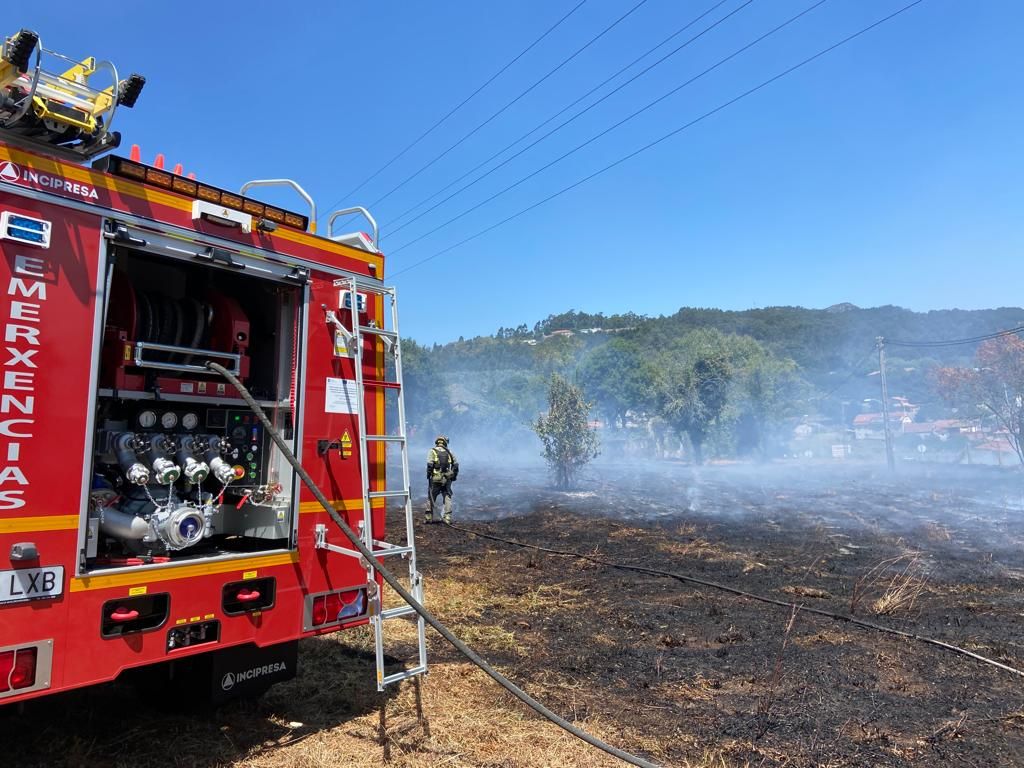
(890, 459)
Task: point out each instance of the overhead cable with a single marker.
(454, 109)
(854, 371)
(606, 131)
(956, 342)
(564, 109)
(663, 138)
(564, 61)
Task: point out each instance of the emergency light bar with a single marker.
(157, 177)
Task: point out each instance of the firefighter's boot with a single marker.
(447, 517)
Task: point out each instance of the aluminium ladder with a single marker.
(353, 343)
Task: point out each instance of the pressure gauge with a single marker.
(147, 419)
(190, 421)
(169, 420)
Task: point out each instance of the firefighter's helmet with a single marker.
(442, 441)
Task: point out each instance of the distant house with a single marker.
(871, 426)
(924, 429)
(560, 333)
(904, 406)
(806, 428)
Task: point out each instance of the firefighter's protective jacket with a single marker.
(442, 466)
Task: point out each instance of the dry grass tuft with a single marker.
(892, 585)
(902, 591)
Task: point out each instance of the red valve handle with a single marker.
(121, 614)
(248, 595)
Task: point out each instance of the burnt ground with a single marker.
(682, 674)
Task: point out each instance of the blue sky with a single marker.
(887, 172)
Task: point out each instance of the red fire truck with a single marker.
(146, 518)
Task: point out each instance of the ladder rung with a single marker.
(388, 551)
(388, 494)
(394, 613)
(386, 438)
(403, 675)
(384, 384)
(378, 331)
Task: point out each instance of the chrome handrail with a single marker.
(346, 212)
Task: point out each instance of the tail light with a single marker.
(332, 608)
(319, 611)
(18, 669)
(334, 604)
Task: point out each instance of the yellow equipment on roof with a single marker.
(59, 113)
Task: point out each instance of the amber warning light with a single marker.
(158, 177)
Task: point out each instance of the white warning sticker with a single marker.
(342, 396)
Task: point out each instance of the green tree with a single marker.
(618, 378)
(994, 386)
(769, 389)
(569, 442)
(557, 354)
(695, 385)
(521, 395)
(426, 396)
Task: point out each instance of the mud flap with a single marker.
(249, 671)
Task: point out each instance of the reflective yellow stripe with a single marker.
(40, 523)
(181, 572)
(152, 194)
(349, 505)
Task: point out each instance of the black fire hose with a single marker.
(395, 584)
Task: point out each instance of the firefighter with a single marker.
(442, 471)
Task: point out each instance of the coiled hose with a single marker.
(395, 584)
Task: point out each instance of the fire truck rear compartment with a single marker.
(181, 467)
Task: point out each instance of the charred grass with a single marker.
(682, 674)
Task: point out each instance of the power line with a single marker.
(956, 342)
(561, 111)
(565, 61)
(456, 108)
(854, 371)
(663, 138)
(623, 121)
(582, 112)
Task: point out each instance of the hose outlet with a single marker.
(165, 471)
(179, 527)
(222, 470)
(195, 471)
(138, 474)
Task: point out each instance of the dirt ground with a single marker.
(683, 675)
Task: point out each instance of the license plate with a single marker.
(31, 583)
